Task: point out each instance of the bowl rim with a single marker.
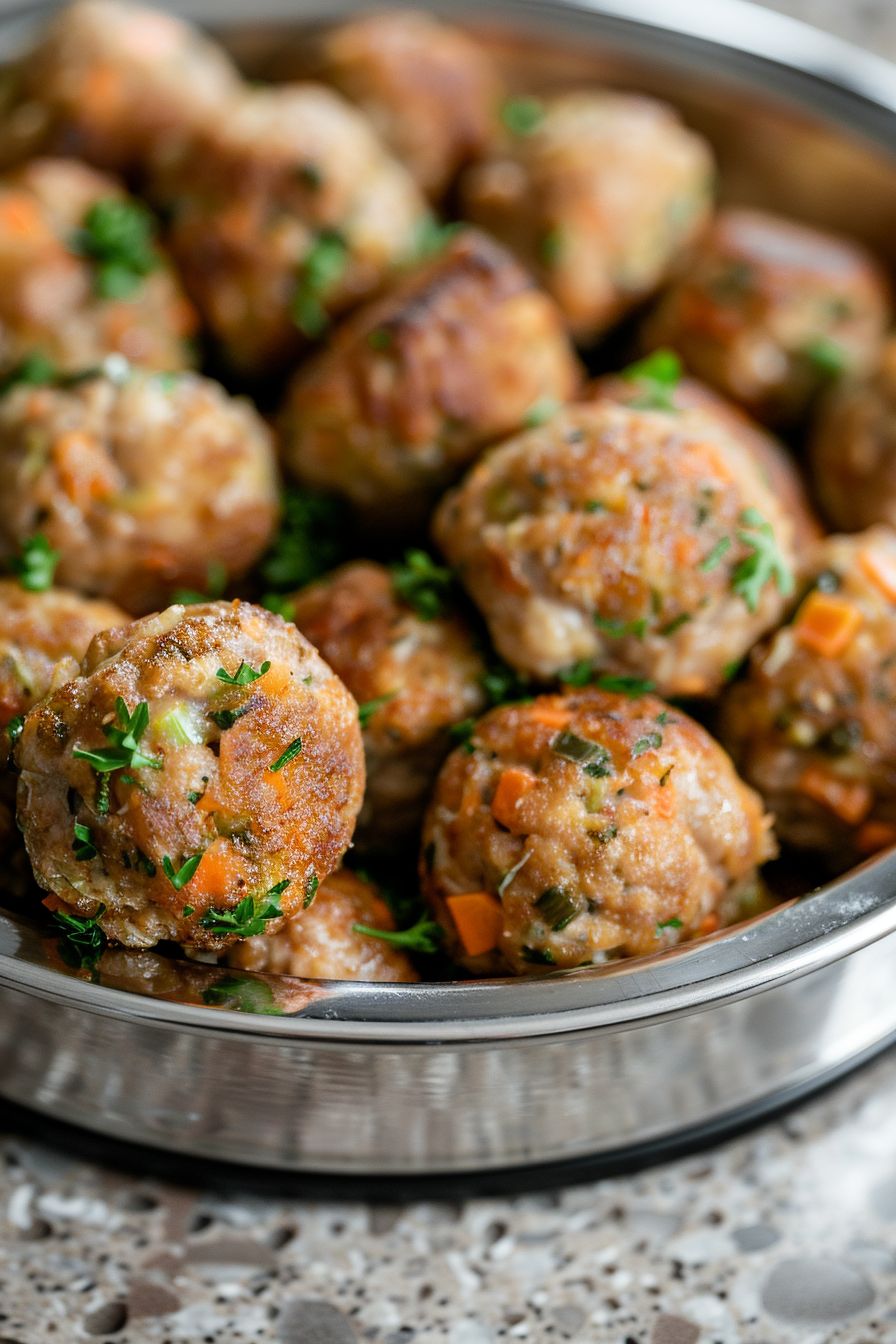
(840, 83)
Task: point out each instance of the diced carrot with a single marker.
(827, 624)
(850, 800)
(880, 567)
(479, 921)
(101, 90)
(217, 872)
(83, 475)
(685, 551)
(283, 784)
(708, 925)
(875, 835)
(550, 714)
(19, 214)
(513, 786)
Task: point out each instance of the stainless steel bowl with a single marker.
(447, 1078)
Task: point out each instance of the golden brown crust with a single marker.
(647, 841)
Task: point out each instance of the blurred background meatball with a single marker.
(284, 213)
(431, 91)
(598, 194)
(196, 782)
(771, 310)
(458, 353)
(142, 485)
(642, 542)
(321, 943)
(114, 84)
(414, 676)
(585, 826)
(813, 723)
(656, 381)
(853, 448)
(81, 276)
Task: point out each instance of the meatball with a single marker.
(853, 449)
(431, 91)
(771, 310)
(81, 276)
(598, 193)
(213, 766)
(141, 484)
(114, 84)
(813, 723)
(644, 543)
(413, 677)
(321, 943)
(413, 386)
(587, 826)
(43, 636)
(285, 212)
(635, 386)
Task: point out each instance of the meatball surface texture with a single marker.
(587, 826)
(411, 388)
(771, 310)
(214, 765)
(598, 194)
(142, 484)
(813, 723)
(643, 543)
(414, 678)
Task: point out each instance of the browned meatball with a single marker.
(213, 764)
(587, 826)
(813, 724)
(413, 386)
(431, 91)
(598, 193)
(320, 943)
(644, 543)
(114, 84)
(43, 636)
(81, 276)
(853, 450)
(141, 484)
(637, 387)
(413, 678)
(285, 212)
(771, 310)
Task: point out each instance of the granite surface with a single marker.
(785, 1236)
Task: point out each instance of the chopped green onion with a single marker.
(558, 908)
(36, 564)
(181, 876)
(288, 755)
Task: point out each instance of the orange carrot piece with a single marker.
(19, 214)
(827, 624)
(875, 835)
(479, 921)
(216, 874)
(513, 786)
(708, 925)
(880, 567)
(850, 800)
(550, 714)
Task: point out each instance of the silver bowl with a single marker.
(608, 1064)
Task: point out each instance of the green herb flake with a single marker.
(242, 995)
(716, 555)
(656, 377)
(124, 735)
(83, 845)
(675, 624)
(637, 629)
(765, 563)
(523, 115)
(828, 357)
(540, 412)
(118, 236)
(558, 908)
(187, 911)
(248, 917)
(311, 887)
(462, 734)
(431, 237)
(551, 247)
(243, 676)
(633, 687)
(595, 506)
(422, 584)
(322, 268)
(179, 877)
(504, 685)
(226, 718)
(593, 757)
(380, 338)
(81, 940)
(368, 709)
(14, 728)
(606, 835)
(35, 370)
(578, 674)
(650, 742)
(424, 936)
(674, 923)
(35, 564)
(286, 756)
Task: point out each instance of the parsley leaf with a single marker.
(367, 710)
(117, 235)
(311, 540)
(716, 555)
(424, 936)
(83, 843)
(651, 742)
(522, 116)
(766, 561)
(36, 564)
(81, 940)
(248, 917)
(322, 268)
(540, 412)
(288, 755)
(181, 876)
(656, 377)
(34, 370)
(673, 923)
(827, 357)
(620, 629)
(633, 687)
(422, 584)
(311, 887)
(125, 737)
(431, 237)
(242, 995)
(243, 676)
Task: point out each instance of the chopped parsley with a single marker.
(422, 584)
(82, 844)
(286, 756)
(676, 623)
(673, 923)
(311, 887)
(311, 540)
(523, 115)
(226, 718)
(620, 629)
(14, 728)
(181, 876)
(424, 936)
(656, 377)
(323, 267)
(716, 555)
(215, 582)
(633, 687)
(503, 684)
(431, 237)
(35, 564)
(462, 734)
(826, 356)
(558, 908)
(81, 940)
(579, 674)
(124, 736)
(367, 710)
(540, 412)
(765, 563)
(34, 370)
(117, 235)
(248, 917)
(243, 676)
(593, 757)
(242, 995)
(650, 742)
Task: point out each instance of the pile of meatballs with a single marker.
(589, 658)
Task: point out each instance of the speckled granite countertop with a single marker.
(785, 1236)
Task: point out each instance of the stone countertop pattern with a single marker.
(785, 1236)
